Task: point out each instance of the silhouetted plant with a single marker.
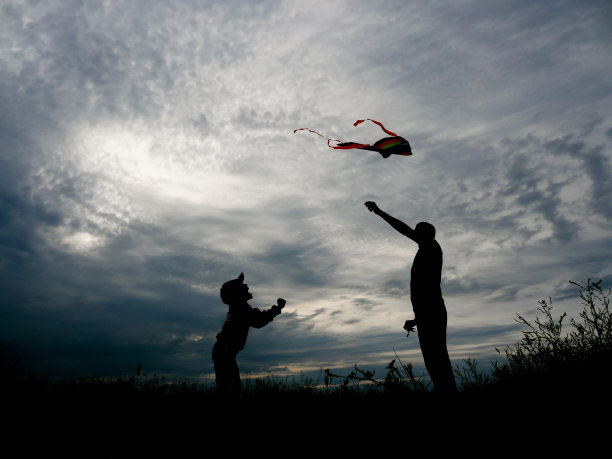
(278, 385)
(470, 377)
(594, 333)
(401, 377)
(15, 378)
(546, 354)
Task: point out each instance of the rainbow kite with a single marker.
(394, 145)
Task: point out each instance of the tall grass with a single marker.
(398, 379)
(551, 357)
(547, 357)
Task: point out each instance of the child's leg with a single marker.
(227, 375)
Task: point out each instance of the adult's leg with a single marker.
(431, 329)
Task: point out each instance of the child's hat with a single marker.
(228, 288)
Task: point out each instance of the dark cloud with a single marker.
(526, 184)
(596, 161)
(364, 303)
(469, 335)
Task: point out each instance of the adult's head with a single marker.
(425, 231)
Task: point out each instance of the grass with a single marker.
(551, 381)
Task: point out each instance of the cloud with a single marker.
(596, 166)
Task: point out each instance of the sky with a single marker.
(148, 154)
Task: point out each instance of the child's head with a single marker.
(235, 291)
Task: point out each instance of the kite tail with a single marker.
(377, 122)
(306, 129)
(328, 140)
(349, 145)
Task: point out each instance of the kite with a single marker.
(394, 145)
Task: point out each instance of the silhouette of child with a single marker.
(426, 296)
(232, 338)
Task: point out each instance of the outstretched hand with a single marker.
(281, 303)
(409, 326)
(372, 207)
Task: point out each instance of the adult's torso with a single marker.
(426, 274)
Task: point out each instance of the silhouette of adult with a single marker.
(232, 338)
(426, 297)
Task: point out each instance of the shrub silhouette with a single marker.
(397, 378)
(545, 358)
(548, 357)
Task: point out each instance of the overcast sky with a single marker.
(147, 155)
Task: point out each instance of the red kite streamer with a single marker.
(394, 145)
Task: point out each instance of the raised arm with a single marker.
(396, 224)
(259, 318)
